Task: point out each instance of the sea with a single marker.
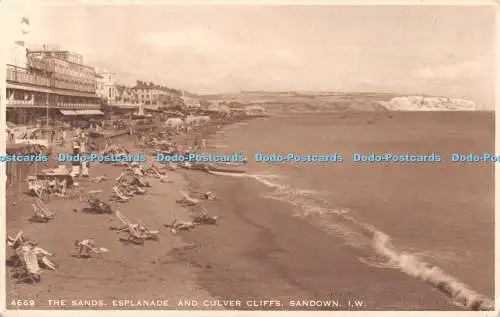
(433, 221)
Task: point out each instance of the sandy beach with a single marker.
(127, 272)
(256, 257)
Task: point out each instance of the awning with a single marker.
(67, 112)
(88, 112)
(80, 112)
(76, 106)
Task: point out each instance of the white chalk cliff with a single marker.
(420, 103)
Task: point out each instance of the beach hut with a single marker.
(18, 172)
(174, 123)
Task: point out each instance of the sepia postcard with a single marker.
(266, 157)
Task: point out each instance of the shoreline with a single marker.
(256, 241)
(425, 296)
(248, 213)
(252, 254)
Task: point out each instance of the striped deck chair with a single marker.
(42, 255)
(132, 234)
(41, 212)
(30, 262)
(37, 187)
(13, 242)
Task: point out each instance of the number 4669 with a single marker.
(25, 302)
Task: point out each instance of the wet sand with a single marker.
(259, 252)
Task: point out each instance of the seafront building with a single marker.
(142, 97)
(46, 82)
(106, 87)
(150, 96)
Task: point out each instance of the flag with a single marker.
(25, 24)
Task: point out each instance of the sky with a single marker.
(435, 50)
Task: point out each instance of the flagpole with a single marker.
(47, 109)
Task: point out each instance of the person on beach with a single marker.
(84, 247)
(84, 167)
(52, 185)
(75, 165)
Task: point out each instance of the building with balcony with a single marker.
(47, 84)
(150, 96)
(125, 95)
(106, 86)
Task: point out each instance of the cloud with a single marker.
(462, 70)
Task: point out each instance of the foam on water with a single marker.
(343, 223)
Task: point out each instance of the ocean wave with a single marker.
(343, 223)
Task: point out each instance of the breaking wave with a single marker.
(343, 223)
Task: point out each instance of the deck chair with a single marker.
(143, 229)
(39, 215)
(135, 233)
(121, 197)
(37, 187)
(180, 225)
(85, 247)
(205, 218)
(188, 201)
(42, 255)
(43, 207)
(130, 230)
(13, 242)
(30, 262)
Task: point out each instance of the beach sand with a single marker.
(257, 251)
(127, 271)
